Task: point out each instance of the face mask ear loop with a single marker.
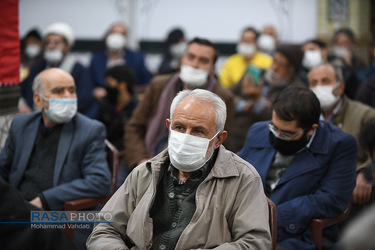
(215, 135)
(44, 98)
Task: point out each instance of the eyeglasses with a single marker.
(284, 135)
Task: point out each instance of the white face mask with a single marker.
(178, 50)
(325, 95)
(53, 55)
(340, 51)
(115, 41)
(266, 43)
(246, 49)
(32, 50)
(312, 58)
(193, 77)
(188, 153)
(60, 110)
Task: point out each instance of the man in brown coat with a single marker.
(350, 116)
(145, 133)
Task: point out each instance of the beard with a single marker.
(274, 79)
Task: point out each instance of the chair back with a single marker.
(318, 224)
(272, 222)
(113, 163)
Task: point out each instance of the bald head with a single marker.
(50, 77)
(118, 28)
(324, 74)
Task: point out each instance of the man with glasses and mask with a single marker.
(145, 133)
(193, 195)
(307, 166)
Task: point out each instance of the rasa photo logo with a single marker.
(71, 219)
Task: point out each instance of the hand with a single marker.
(99, 93)
(249, 90)
(362, 191)
(36, 202)
(249, 107)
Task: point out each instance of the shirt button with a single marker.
(162, 247)
(292, 226)
(171, 195)
(174, 224)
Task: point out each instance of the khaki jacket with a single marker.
(351, 117)
(231, 209)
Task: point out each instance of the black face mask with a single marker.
(288, 147)
(112, 94)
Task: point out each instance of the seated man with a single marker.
(145, 133)
(55, 155)
(253, 99)
(268, 40)
(350, 116)
(195, 194)
(58, 42)
(176, 45)
(359, 232)
(116, 108)
(247, 54)
(117, 52)
(316, 53)
(307, 166)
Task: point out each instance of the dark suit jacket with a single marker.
(318, 183)
(80, 169)
(133, 59)
(15, 235)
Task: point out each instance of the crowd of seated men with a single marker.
(201, 148)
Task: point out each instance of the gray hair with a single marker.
(337, 69)
(338, 73)
(205, 95)
(37, 85)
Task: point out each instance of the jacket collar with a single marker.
(338, 118)
(67, 134)
(318, 144)
(30, 133)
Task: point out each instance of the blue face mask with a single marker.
(60, 110)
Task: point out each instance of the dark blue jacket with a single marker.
(318, 183)
(80, 169)
(133, 59)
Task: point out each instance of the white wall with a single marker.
(218, 20)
